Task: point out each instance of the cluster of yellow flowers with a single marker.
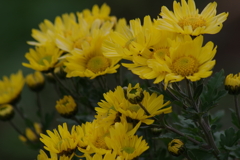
(112, 133)
(91, 43)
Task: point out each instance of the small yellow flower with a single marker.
(116, 105)
(62, 141)
(53, 156)
(66, 107)
(10, 88)
(176, 147)
(6, 112)
(43, 58)
(35, 81)
(186, 20)
(133, 94)
(232, 84)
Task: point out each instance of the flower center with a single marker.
(100, 143)
(161, 53)
(98, 64)
(134, 108)
(78, 43)
(185, 66)
(195, 22)
(48, 58)
(129, 150)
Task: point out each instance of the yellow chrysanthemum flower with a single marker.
(62, 141)
(232, 84)
(90, 61)
(93, 139)
(47, 34)
(108, 156)
(53, 156)
(126, 144)
(187, 59)
(43, 58)
(66, 107)
(6, 112)
(115, 103)
(176, 147)
(35, 81)
(138, 43)
(101, 13)
(186, 20)
(10, 88)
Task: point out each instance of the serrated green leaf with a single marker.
(230, 137)
(216, 81)
(235, 120)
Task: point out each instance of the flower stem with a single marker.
(237, 107)
(63, 85)
(39, 108)
(207, 131)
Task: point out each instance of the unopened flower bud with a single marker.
(6, 112)
(66, 107)
(176, 147)
(35, 81)
(133, 94)
(232, 84)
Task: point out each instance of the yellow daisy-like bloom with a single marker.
(187, 59)
(47, 34)
(101, 13)
(90, 61)
(176, 147)
(126, 144)
(93, 140)
(43, 58)
(35, 81)
(232, 84)
(186, 20)
(10, 88)
(116, 102)
(62, 141)
(66, 107)
(6, 112)
(138, 43)
(53, 156)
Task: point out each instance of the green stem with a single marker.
(63, 85)
(207, 131)
(237, 107)
(39, 108)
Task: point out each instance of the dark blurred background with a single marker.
(18, 17)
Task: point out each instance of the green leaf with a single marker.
(213, 91)
(235, 120)
(229, 138)
(198, 92)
